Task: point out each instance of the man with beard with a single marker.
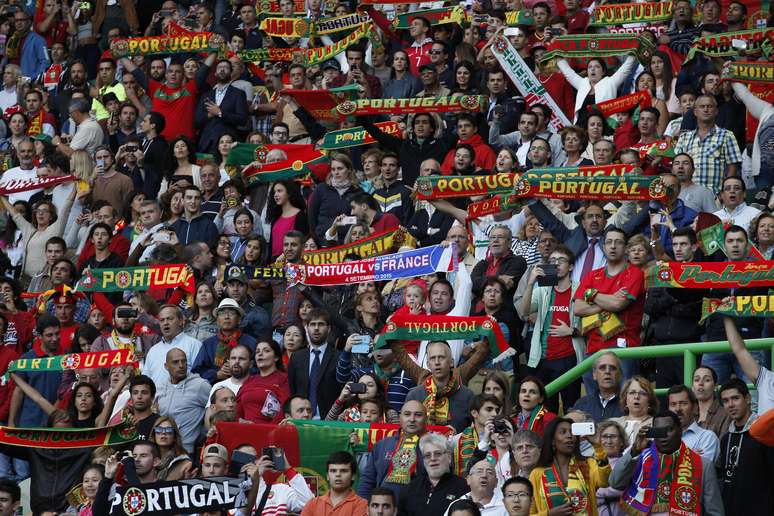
(396, 459)
(221, 110)
(670, 475)
(213, 362)
(286, 298)
(431, 491)
(140, 468)
(25, 153)
(125, 334)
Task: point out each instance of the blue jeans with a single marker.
(15, 470)
(725, 363)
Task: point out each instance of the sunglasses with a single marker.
(132, 149)
(164, 430)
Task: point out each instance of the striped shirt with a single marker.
(397, 386)
(711, 154)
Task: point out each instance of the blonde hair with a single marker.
(347, 162)
(83, 165)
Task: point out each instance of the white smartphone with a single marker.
(581, 429)
(347, 221)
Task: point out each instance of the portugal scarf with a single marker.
(225, 344)
(437, 401)
(404, 460)
(599, 45)
(440, 187)
(575, 492)
(749, 72)
(536, 415)
(36, 123)
(617, 14)
(711, 275)
(627, 187)
(465, 447)
(739, 306)
(665, 483)
(449, 104)
(719, 45)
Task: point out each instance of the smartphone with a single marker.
(239, 459)
(160, 238)
(357, 388)
(555, 32)
(275, 454)
(656, 433)
(550, 279)
(2, 297)
(124, 312)
(581, 429)
(100, 166)
(349, 220)
(739, 44)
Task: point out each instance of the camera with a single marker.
(501, 427)
(357, 388)
(124, 312)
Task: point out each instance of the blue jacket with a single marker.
(378, 464)
(682, 216)
(34, 59)
(30, 415)
(591, 404)
(204, 364)
(200, 229)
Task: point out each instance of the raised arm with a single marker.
(113, 393)
(750, 367)
(32, 394)
(754, 105)
(414, 371)
(471, 366)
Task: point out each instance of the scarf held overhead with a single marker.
(357, 136)
(720, 45)
(440, 187)
(440, 16)
(407, 326)
(373, 245)
(599, 45)
(452, 104)
(62, 438)
(10, 186)
(301, 164)
(408, 264)
(612, 188)
(137, 278)
(526, 82)
(618, 14)
(749, 72)
(739, 306)
(74, 361)
(711, 275)
(179, 44)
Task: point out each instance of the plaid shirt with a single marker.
(710, 155)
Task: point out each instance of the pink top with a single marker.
(281, 226)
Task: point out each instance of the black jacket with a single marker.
(395, 199)
(674, 314)
(411, 152)
(421, 498)
(511, 265)
(429, 229)
(326, 204)
(328, 388)
(233, 115)
(153, 165)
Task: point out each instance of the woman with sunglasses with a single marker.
(175, 462)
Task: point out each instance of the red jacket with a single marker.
(485, 156)
(119, 244)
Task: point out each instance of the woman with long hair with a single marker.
(597, 129)
(131, 214)
(506, 161)
(182, 165)
(293, 339)
(612, 437)
(762, 234)
(175, 461)
(17, 131)
(564, 480)
(332, 198)
(225, 143)
(84, 337)
(574, 142)
(348, 406)
(639, 404)
(285, 211)
(12, 240)
(498, 385)
(465, 80)
(244, 226)
(171, 205)
(647, 82)
(401, 85)
(201, 322)
(84, 500)
(712, 415)
(661, 68)
(261, 397)
(532, 415)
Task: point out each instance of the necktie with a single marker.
(588, 263)
(314, 379)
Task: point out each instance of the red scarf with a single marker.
(225, 344)
(36, 123)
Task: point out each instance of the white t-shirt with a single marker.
(765, 391)
(88, 136)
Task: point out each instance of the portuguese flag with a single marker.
(245, 153)
(307, 444)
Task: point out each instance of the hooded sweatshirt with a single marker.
(485, 156)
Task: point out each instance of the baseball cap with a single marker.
(215, 450)
(235, 273)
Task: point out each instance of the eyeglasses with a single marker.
(43, 210)
(556, 261)
(164, 430)
(512, 496)
(638, 394)
(435, 52)
(481, 471)
(609, 437)
(433, 455)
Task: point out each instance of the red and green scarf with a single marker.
(466, 445)
(403, 463)
(536, 415)
(176, 44)
(719, 45)
(614, 188)
(225, 344)
(739, 306)
(439, 16)
(749, 72)
(669, 484)
(13, 46)
(36, 123)
(74, 361)
(586, 171)
(441, 187)
(711, 275)
(450, 104)
(639, 100)
(437, 401)
(610, 15)
(598, 45)
(61, 438)
(558, 494)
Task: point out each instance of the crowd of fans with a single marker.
(147, 140)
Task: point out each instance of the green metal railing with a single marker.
(689, 351)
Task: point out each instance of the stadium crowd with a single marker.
(114, 158)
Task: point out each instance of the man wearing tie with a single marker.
(312, 370)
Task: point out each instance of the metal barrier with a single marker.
(689, 351)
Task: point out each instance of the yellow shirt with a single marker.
(96, 106)
(597, 477)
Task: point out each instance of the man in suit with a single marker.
(312, 371)
(223, 109)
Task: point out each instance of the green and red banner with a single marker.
(522, 17)
(712, 239)
(61, 438)
(137, 278)
(301, 164)
(245, 153)
(600, 188)
(451, 104)
(585, 171)
(321, 103)
(321, 54)
(305, 28)
(492, 205)
(256, 55)
(308, 444)
(191, 42)
(74, 361)
(443, 327)
(719, 45)
(377, 244)
(439, 16)
(357, 136)
(641, 99)
(606, 15)
(739, 306)
(749, 72)
(658, 149)
(711, 275)
(585, 46)
(442, 187)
